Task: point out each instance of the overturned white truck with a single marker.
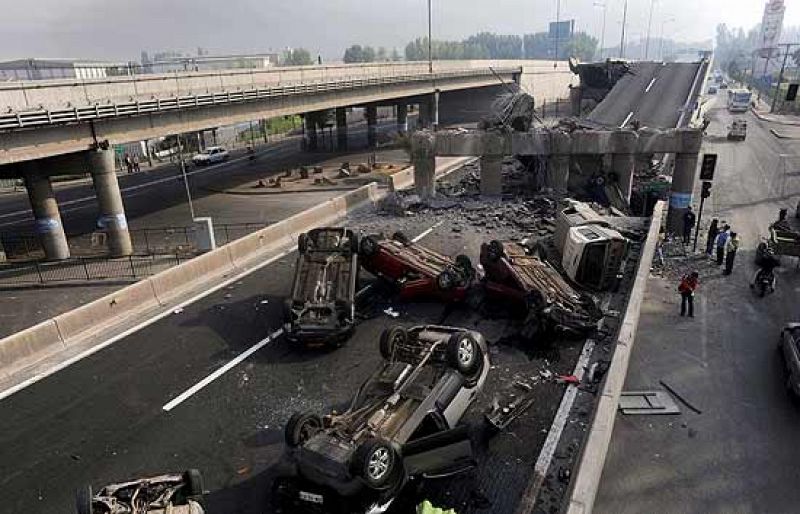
(592, 251)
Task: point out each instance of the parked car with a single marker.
(211, 155)
(321, 308)
(534, 287)
(790, 352)
(174, 493)
(712, 89)
(416, 270)
(403, 422)
(738, 130)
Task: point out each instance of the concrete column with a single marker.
(45, 210)
(201, 140)
(491, 175)
(214, 136)
(624, 164)
(435, 108)
(426, 113)
(684, 177)
(575, 99)
(371, 113)
(423, 157)
(402, 118)
(558, 161)
(112, 211)
(341, 128)
(311, 130)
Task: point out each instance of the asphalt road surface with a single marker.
(653, 93)
(741, 453)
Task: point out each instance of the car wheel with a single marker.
(495, 251)
(401, 238)
(446, 279)
(391, 338)
(83, 499)
(301, 427)
(193, 481)
(375, 461)
(302, 243)
(464, 354)
(369, 246)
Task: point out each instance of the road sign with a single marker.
(791, 94)
(708, 166)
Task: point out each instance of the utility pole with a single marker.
(661, 39)
(787, 46)
(622, 37)
(649, 23)
(430, 41)
(558, 31)
(185, 178)
(604, 5)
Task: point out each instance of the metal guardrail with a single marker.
(44, 117)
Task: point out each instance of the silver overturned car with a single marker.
(163, 494)
(403, 422)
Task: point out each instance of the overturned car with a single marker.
(536, 289)
(417, 271)
(401, 423)
(321, 308)
(173, 494)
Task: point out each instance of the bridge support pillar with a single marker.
(112, 211)
(623, 159)
(491, 175)
(371, 112)
(423, 157)
(341, 128)
(559, 161)
(429, 111)
(45, 211)
(402, 118)
(684, 177)
(310, 127)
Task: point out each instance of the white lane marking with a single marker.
(221, 371)
(559, 422)
(653, 81)
(414, 240)
(627, 119)
(61, 365)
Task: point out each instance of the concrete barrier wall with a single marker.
(592, 460)
(28, 345)
(174, 281)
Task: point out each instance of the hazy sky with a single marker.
(120, 29)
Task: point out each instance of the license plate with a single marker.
(311, 497)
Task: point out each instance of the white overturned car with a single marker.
(211, 155)
(163, 494)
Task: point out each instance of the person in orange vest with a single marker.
(687, 288)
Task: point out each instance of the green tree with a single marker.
(396, 55)
(354, 54)
(537, 46)
(297, 57)
(581, 45)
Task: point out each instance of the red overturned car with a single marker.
(417, 271)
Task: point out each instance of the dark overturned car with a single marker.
(321, 308)
(532, 287)
(402, 424)
(163, 494)
(417, 271)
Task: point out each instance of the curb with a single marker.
(779, 122)
(782, 136)
(593, 457)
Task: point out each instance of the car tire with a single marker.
(194, 487)
(446, 279)
(302, 243)
(464, 354)
(83, 499)
(390, 339)
(368, 246)
(401, 238)
(495, 250)
(375, 461)
(301, 427)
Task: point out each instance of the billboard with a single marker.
(771, 26)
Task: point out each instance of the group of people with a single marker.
(721, 243)
(131, 163)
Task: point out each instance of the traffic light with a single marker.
(708, 166)
(706, 192)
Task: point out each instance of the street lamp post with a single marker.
(649, 23)
(622, 37)
(185, 178)
(430, 41)
(604, 5)
(558, 31)
(661, 39)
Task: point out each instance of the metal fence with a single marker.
(146, 241)
(83, 269)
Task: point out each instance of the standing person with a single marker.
(136, 163)
(731, 247)
(688, 225)
(128, 162)
(687, 288)
(713, 231)
(720, 242)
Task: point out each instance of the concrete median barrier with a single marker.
(173, 282)
(28, 346)
(590, 469)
